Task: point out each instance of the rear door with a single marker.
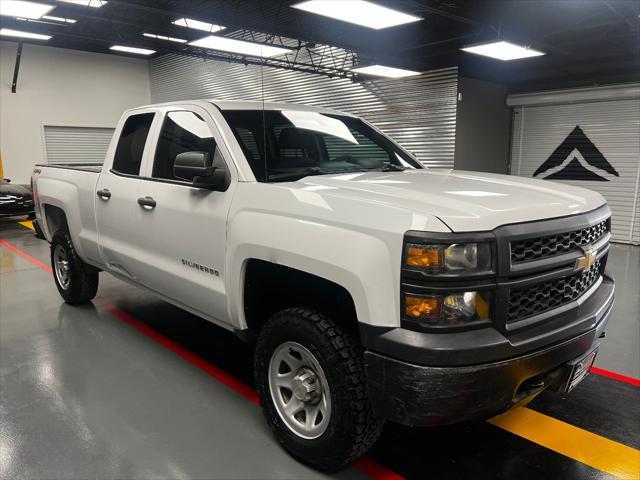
(117, 193)
(183, 232)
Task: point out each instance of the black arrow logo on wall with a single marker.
(580, 157)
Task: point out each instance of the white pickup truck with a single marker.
(373, 288)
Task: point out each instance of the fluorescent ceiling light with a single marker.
(359, 12)
(382, 71)
(503, 51)
(198, 25)
(31, 10)
(86, 3)
(7, 32)
(162, 37)
(58, 19)
(139, 51)
(225, 44)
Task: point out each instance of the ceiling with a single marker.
(587, 42)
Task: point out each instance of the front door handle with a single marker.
(104, 194)
(147, 203)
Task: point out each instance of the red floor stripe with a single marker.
(365, 464)
(220, 375)
(373, 469)
(616, 376)
(26, 256)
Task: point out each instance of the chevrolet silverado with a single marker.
(372, 287)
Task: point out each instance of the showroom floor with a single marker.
(132, 387)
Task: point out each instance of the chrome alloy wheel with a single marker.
(61, 267)
(299, 390)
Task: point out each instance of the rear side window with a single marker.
(182, 131)
(128, 157)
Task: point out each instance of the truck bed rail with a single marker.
(85, 167)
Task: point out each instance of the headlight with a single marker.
(452, 258)
(447, 310)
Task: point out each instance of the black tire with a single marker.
(82, 278)
(352, 428)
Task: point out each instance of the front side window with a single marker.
(287, 145)
(128, 156)
(182, 131)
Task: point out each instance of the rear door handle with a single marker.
(147, 203)
(104, 194)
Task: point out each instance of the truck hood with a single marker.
(464, 201)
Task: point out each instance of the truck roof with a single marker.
(256, 105)
(251, 105)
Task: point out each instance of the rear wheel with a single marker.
(312, 388)
(76, 281)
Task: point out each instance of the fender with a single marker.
(328, 261)
(365, 263)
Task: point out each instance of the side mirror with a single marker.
(197, 167)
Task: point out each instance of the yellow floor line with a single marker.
(586, 447)
(28, 224)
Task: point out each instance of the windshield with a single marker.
(295, 144)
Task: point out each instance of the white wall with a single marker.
(61, 87)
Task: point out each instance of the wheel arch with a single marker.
(269, 288)
(55, 219)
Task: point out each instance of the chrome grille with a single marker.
(550, 245)
(532, 300)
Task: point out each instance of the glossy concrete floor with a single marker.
(94, 392)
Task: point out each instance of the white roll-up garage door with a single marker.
(65, 144)
(588, 138)
(419, 113)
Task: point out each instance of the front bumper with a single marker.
(16, 209)
(410, 391)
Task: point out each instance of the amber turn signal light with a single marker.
(422, 307)
(424, 256)
(456, 308)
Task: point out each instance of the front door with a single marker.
(182, 228)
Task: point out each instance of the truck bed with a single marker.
(71, 187)
(84, 167)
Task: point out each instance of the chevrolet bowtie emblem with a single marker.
(589, 259)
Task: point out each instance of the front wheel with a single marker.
(76, 281)
(312, 388)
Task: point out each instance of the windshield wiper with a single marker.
(303, 172)
(392, 167)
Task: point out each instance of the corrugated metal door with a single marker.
(419, 113)
(594, 145)
(76, 144)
